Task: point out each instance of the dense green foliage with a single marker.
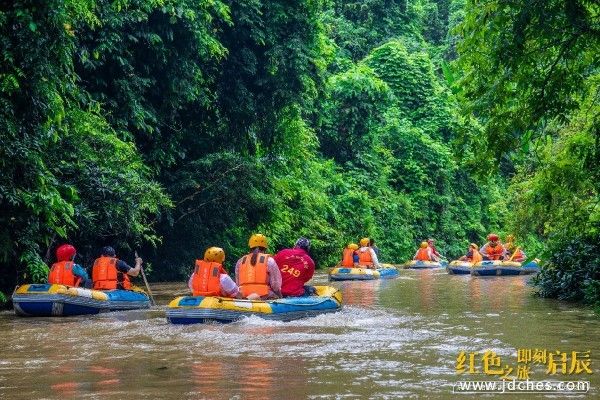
(65, 171)
(531, 78)
(573, 271)
(169, 126)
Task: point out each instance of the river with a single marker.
(394, 338)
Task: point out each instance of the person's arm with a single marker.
(374, 258)
(135, 271)
(237, 272)
(467, 257)
(190, 282)
(483, 250)
(432, 255)
(274, 276)
(80, 272)
(228, 286)
(311, 267)
(125, 268)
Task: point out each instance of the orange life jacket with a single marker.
(106, 276)
(62, 273)
(364, 258)
(423, 254)
(519, 256)
(206, 280)
(254, 278)
(495, 253)
(476, 257)
(348, 258)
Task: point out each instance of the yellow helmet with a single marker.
(214, 254)
(364, 242)
(424, 245)
(474, 246)
(258, 240)
(510, 238)
(353, 246)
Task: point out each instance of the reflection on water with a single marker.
(393, 338)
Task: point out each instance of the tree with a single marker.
(530, 76)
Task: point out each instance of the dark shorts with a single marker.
(309, 290)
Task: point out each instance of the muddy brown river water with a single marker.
(395, 338)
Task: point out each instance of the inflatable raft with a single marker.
(362, 274)
(414, 264)
(459, 267)
(45, 300)
(503, 268)
(199, 309)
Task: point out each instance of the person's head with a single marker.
(371, 242)
(424, 245)
(510, 238)
(65, 252)
(430, 242)
(473, 246)
(108, 251)
(364, 242)
(303, 243)
(214, 254)
(493, 239)
(353, 246)
(258, 241)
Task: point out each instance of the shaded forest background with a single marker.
(168, 126)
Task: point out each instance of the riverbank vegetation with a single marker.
(168, 126)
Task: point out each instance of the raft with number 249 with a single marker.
(50, 300)
(200, 309)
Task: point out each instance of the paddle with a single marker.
(146, 282)
(514, 254)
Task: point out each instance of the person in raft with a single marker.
(493, 249)
(256, 273)
(297, 268)
(210, 278)
(65, 272)
(109, 273)
(512, 251)
(366, 255)
(375, 248)
(424, 253)
(350, 256)
(473, 255)
(434, 253)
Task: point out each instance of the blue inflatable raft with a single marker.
(199, 309)
(503, 268)
(459, 267)
(414, 264)
(362, 274)
(46, 300)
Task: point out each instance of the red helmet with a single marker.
(492, 237)
(65, 252)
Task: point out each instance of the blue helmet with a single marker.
(303, 243)
(108, 251)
